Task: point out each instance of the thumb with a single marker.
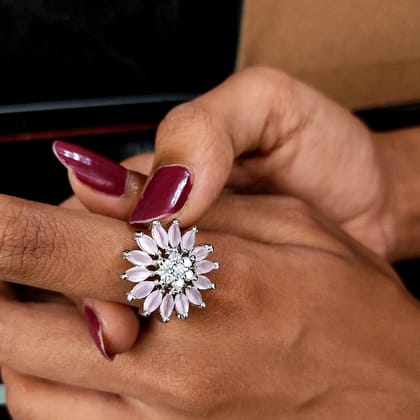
(198, 142)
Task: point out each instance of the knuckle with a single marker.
(199, 395)
(263, 77)
(185, 117)
(245, 264)
(288, 102)
(20, 238)
(28, 240)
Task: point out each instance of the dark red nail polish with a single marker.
(95, 330)
(165, 194)
(91, 168)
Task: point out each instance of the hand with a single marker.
(305, 323)
(263, 131)
(294, 141)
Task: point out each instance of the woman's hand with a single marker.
(260, 131)
(305, 323)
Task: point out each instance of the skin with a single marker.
(263, 131)
(309, 356)
(280, 147)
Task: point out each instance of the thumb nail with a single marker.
(165, 194)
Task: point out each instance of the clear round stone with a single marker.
(186, 262)
(179, 283)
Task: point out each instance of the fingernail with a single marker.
(95, 330)
(165, 194)
(92, 169)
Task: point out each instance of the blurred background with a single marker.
(104, 73)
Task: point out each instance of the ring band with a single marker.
(168, 270)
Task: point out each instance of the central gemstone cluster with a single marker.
(175, 270)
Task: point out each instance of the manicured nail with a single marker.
(95, 330)
(165, 194)
(92, 169)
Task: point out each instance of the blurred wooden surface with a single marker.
(362, 53)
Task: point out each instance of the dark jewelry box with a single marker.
(101, 74)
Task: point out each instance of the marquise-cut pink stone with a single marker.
(202, 282)
(139, 258)
(146, 243)
(194, 296)
(160, 236)
(142, 289)
(152, 302)
(174, 234)
(167, 307)
(138, 273)
(200, 252)
(188, 240)
(182, 304)
(203, 267)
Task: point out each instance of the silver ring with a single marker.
(169, 270)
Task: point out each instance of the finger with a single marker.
(55, 353)
(114, 327)
(68, 251)
(33, 398)
(53, 344)
(71, 252)
(102, 185)
(80, 254)
(197, 142)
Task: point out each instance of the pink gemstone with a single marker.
(152, 302)
(142, 289)
(174, 234)
(194, 296)
(203, 283)
(182, 304)
(203, 267)
(146, 243)
(188, 240)
(138, 273)
(160, 236)
(200, 252)
(139, 258)
(167, 307)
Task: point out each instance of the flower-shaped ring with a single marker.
(169, 270)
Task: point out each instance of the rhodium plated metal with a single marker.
(168, 270)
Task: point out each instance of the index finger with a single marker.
(67, 251)
(63, 250)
